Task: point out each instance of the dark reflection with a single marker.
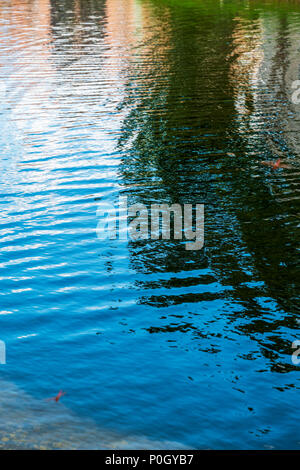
(78, 29)
(76, 10)
(194, 133)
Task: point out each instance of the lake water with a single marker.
(162, 101)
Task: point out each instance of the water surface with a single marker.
(164, 101)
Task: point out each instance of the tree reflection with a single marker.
(195, 132)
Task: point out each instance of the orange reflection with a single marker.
(25, 53)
